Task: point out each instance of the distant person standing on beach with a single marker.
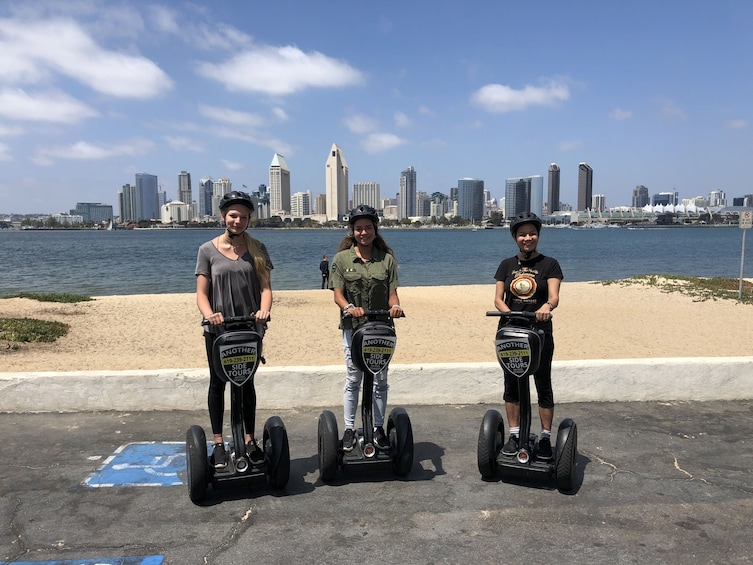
(232, 279)
(530, 282)
(324, 268)
(364, 277)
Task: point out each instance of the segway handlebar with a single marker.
(374, 314)
(527, 315)
(234, 320)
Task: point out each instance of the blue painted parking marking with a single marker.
(153, 463)
(146, 560)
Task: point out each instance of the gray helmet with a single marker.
(524, 218)
(363, 211)
(236, 197)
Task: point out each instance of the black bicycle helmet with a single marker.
(524, 218)
(363, 211)
(236, 197)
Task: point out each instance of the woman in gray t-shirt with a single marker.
(232, 279)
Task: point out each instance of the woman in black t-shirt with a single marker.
(530, 282)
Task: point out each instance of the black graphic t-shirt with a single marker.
(526, 282)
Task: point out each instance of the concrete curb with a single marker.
(614, 380)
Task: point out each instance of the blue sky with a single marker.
(646, 92)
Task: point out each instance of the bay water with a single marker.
(162, 261)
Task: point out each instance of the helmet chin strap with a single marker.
(232, 235)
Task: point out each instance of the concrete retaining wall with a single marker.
(623, 380)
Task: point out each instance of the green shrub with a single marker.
(53, 297)
(31, 330)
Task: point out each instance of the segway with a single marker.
(236, 354)
(518, 345)
(372, 348)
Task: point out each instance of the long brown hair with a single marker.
(350, 240)
(254, 248)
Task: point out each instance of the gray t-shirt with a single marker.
(233, 288)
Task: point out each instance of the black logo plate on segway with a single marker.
(377, 351)
(239, 362)
(514, 354)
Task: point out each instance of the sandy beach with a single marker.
(442, 324)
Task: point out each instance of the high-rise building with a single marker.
(423, 204)
(300, 204)
(147, 201)
(585, 186)
(599, 203)
(717, 198)
(220, 188)
(553, 202)
(205, 196)
(320, 204)
(524, 194)
(184, 188)
(96, 213)
(471, 199)
(127, 203)
(336, 185)
(279, 186)
(366, 193)
(640, 197)
(406, 201)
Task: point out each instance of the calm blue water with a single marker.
(162, 261)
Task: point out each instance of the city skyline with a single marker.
(94, 92)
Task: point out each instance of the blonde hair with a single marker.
(254, 248)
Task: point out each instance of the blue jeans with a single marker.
(353, 379)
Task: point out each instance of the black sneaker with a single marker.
(511, 447)
(255, 454)
(545, 449)
(380, 439)
(348, 440)
(219, 457)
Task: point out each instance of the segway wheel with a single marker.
(400, 434)
(276, 452)
(567, 455)
(490, 438)
(196, 463)
(328, 439)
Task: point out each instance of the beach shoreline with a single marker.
(443, 324)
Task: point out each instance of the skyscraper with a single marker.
(184, 188)
(406, 202)
(336, 185)
(366, 193)
(553, 202)
(147, 202)
(205, 196)
(585, 186)
(279, 186)
(524, 194)
(640, 197)
(471, 199)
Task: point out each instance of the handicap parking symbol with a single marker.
(153, 463)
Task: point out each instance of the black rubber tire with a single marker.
(400, 434)
(491, 436)
(197, 464)
(329, 450)
(567, 457)
(276, 452)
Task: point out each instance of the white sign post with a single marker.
(746, 221)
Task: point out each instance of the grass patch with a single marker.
(700, 289)
(53, 297)
(28, 330)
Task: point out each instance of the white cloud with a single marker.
(85, 151)
(670, 109)
(9, 131)
(737, 124)
(620, 114)
(52, 106)
(5, 153)
(425, 111)
(229, 116)
(380, 142)
(231, 165)
(164, 19)
(32, 52)
(402, 120)
(569, 145)
(280, 114)
(280, 71)
(500, 98)
(181, 143)
(358, 123)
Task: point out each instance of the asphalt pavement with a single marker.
(656, 482)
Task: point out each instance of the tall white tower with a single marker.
(336, 185)
(279, 186)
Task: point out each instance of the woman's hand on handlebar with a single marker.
(396, 311)
(215, 319)
(544, 314)
(262, 315)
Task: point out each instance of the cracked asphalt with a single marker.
(656, 483)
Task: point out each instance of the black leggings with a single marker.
(216, 396)
(542, 378)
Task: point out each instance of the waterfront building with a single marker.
(220, 188)
(366, 193)
(146, 198)
(336, 185)
(205, 196)
(65, 219)
(279, 186)
(524, 194)
(665, 199)
(127, 203)
(599, 203)
(439, 203)
(175, 212)
(423, 204)
(320, 204)
(406, 199)
(585, 186)
(300, 204)
(640, 196)
(471, 199)
(717, 198)
(184, 188)
(553, 200)
(95, 213)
